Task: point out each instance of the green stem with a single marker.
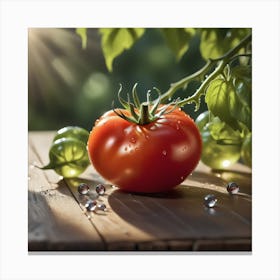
(144, 114)
(201, 90)
(221, 61)
(182, 83)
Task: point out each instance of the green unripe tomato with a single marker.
(223, 150)
(246, 150)
(68, 157)
(202, 120)
(216, 155)
(75, 132)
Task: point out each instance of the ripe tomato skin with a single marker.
(150, 158)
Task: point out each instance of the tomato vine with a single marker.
(220, 62)
(225, 80)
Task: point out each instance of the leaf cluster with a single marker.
(225, 79)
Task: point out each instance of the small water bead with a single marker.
(90, 205)
(232, 188)
(83, 188)
(132, 140)
(164, 152)
(100, 189)
(210, 200)
(102, 207)
(83, 199)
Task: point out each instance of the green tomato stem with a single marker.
(144, 114)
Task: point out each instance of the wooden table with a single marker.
(174, 221)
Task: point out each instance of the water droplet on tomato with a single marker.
(178, 124)
(210, 200)
(164, 152)
(132, 140)
(147, 136)
(153, 127)
(182, 178)
(184, 148)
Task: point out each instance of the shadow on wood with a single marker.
(180, 213)
(52, 230)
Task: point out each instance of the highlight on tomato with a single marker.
(146, 147)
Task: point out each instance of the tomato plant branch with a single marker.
(221, 62)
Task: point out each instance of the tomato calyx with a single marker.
(145, 112)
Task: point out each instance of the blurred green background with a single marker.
(69, 85)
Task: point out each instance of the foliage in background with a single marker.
(71, 85)
(228, 92)
(198, 71)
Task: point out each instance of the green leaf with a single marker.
(242, 81)
(116, 40)
(215, 42)
(225, 103)
(221, 131)
(220, 98)
(244, 91)
(178, 39)
(82, 32)
(242, 112)
(243, 72)
(210, 44)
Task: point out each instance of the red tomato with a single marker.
(149, 158)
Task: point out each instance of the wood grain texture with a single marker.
(173, 221)
(55, 220)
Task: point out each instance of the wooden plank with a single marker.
(116, 231)
(181, 214)
(55, 220)
(223, 245)
(176, 220)
(144, 220)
